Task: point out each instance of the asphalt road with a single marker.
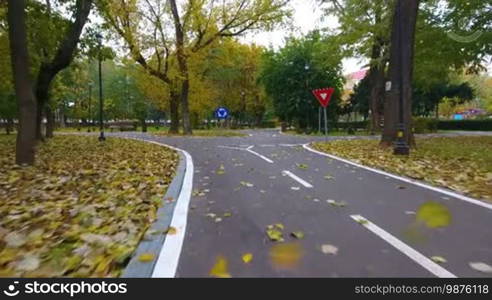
(253, 190)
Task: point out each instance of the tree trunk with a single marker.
(401, 72)
(144, 125)
(183, 68)
(26, 137)
(174, 112)
(63, 58)
(50, 122)
(9, 127)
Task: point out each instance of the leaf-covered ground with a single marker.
(463, 164)
(82, 209)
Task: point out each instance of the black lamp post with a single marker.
(101, 125)
(400, 146)
(90, 106)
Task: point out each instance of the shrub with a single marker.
(472, 125)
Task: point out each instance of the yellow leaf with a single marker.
(247, 258)
(286, 256)
(434, 215)
(146, 257)
(219, 270)
(171, 230)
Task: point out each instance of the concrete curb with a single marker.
(152, 243)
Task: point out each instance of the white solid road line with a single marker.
(407, 180)
(259, 155)
(168, 260)
(232, 148)
(416, 256)
(298, 179)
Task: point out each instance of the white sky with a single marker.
(307, 16)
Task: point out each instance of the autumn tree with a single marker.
(58, 59)
(181, 31)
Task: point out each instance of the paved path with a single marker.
(391, 244)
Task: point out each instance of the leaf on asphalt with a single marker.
(362, 221)
(146, 257)
(275, 235)
(434, 215)
(328, 177)
(336, 203)
(247, 258)
(481, 267)
(329, 249)
(220, 268)
(302, 166)
(227, 215)
(297, 234)
(295, 188)
(401, 187)
(218, 220)
(221, 170)
(439, 259)
(247, 184)
(286, 256)
(171, 230)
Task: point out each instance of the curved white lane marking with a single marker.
(168, 260)
(407, 180)
(259, 155)
(416, 256)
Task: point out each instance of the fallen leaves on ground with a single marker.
(329, 249)
(146, 257)
(82, 209)
(439, 259)
(220, 268)
(460, 163)
(433, 215)
(247, 258)
(481, 267)
(286, 256)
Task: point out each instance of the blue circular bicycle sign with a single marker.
(221, 113)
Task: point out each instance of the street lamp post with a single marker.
(101, 125)
(400, 146)
(243, 107)
(90, 104)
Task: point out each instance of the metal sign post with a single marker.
(324, 97)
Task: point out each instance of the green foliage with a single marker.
(472, 125)
(290, 74)
(425, 100)
(424, 125)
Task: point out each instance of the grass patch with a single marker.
(82, 209)
(463, 164)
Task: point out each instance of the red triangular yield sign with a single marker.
(324, 95)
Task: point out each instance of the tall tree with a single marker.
(401, 73)
(194, 25)
(61, 59)
(25, 149)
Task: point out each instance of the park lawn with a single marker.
(82, 209)
(463, 164)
